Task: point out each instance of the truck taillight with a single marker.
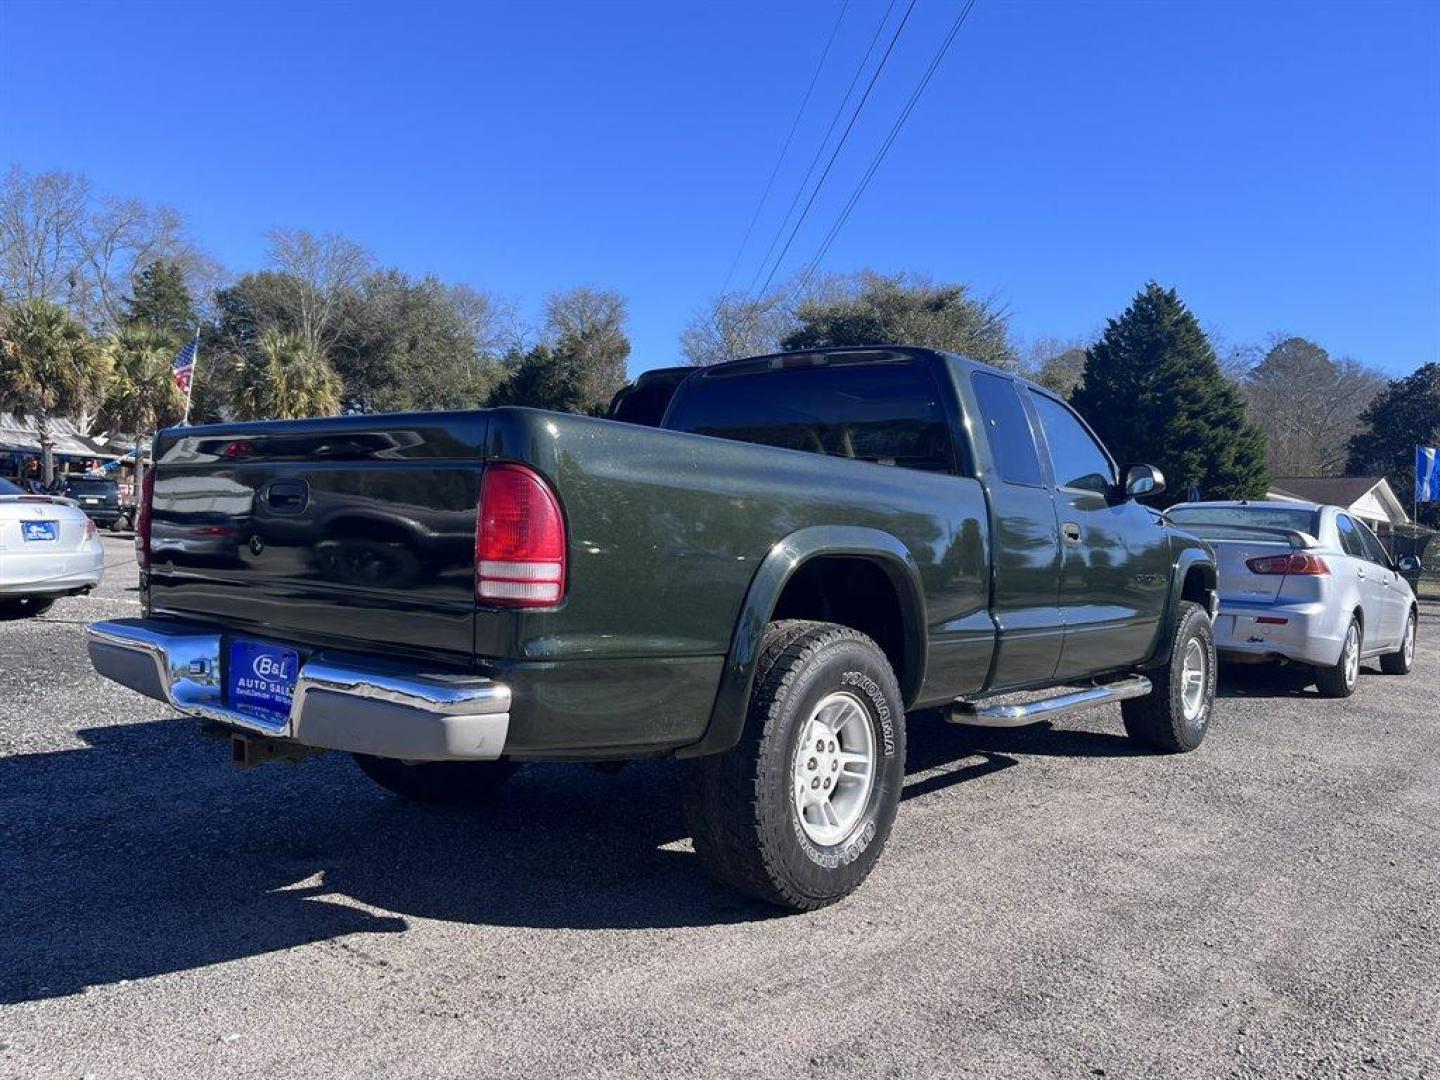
(142, 520)
(519, 540)
(1297, 562)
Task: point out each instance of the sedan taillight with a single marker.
(520, 540)
(1297, 562)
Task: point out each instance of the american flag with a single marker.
(184, 365)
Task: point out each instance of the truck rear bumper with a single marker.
(342, 701)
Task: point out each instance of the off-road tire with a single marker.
(450, 783)
(25, 607)
(1334, 681)
(1158, 719)
(1397, 663)
(740, 803)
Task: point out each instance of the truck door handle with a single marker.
(1071, 532)
(287, 496)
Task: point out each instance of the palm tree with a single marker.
(142, 394)
(283, 378)
(49, 366)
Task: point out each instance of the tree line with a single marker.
(98, 293)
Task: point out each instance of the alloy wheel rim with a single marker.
(834, 769)
(1352, 655)
(1192, 680)
(1409, 646)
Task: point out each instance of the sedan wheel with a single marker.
(1338, 681)
(1402, 659)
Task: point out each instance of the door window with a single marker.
(1350, 537)
(1374, 550)
(1078, 460)
(1008, 429)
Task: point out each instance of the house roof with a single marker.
(1335, 490)
(1346, 491)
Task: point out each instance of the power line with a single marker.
(820, 150)
(884, 148)
(838, 147)
(786, 148)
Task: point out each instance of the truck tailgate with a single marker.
(355, 531)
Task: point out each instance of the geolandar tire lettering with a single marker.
(798, 812)
(1175, 715)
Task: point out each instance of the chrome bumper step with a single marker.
(1033, 712)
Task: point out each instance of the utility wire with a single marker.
(820, 150)
(884, 148)
(770, 183)
(860, 105)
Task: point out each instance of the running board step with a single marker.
(1032, 712)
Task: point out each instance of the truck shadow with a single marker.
(144, 853)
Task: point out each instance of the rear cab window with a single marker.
(1007, 428)
(885, 412)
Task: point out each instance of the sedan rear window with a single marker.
(888, 413)
(1270, 517)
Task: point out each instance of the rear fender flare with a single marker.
(727, 715)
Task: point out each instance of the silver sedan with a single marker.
(48, 548)
(1308, 583)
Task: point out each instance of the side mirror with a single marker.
(1408, 564)
(1143, 480)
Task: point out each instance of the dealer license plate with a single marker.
(39, 530)
(261, 679)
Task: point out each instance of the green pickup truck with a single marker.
(761, 575)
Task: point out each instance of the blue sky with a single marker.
(1278, 163)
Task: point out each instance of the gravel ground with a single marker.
(1052, 903)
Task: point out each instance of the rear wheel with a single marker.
(453, 783)
(1402, 659)
(25, 607)
(797, 813)
(1339, 679)
(1175, 715)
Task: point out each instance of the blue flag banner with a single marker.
(1427, 474)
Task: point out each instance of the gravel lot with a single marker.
(1052, 903)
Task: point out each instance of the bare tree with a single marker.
(322, 269)
(58, 242)
(42, 221)
(734, 326)
(1055, 363)
(1308, 405)
(586, 329)
(492, 321)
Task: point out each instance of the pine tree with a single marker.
(162, 301)
(1153, 391)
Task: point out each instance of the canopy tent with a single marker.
(22, 434)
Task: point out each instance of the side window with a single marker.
(1076, 457)
(1350, 537)
(1008, 429)
(1374, 549)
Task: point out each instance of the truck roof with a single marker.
(859, 354)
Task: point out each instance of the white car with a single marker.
(1308, 583)
(48, 548)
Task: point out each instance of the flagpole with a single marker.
(194, 370)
